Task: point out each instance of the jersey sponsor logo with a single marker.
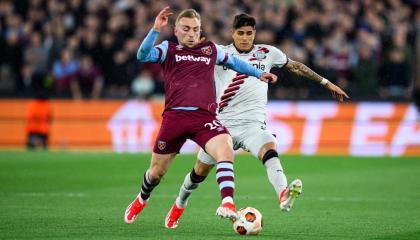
(259, 66)
(179, 58)
(207, 50)
(260, 55)
(161, 145)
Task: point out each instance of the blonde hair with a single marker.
(188, 13)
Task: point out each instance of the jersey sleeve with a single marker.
(222, 56)
(279, 58)
(236, 64)
(148, 53)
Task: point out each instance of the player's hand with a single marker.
(268, 78)
(336, 92)
(162, 18)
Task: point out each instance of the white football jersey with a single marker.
(242, 97)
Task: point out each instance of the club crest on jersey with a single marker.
(207, 50)
(179, 47)
(161, 145)
(260, 55)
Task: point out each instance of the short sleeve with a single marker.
(279, 58)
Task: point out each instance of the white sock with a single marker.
(185, 191)
(276, 175)
(227, 199)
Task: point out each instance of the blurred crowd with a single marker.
(87, 49)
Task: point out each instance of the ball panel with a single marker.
(250, 216)
(241, 230)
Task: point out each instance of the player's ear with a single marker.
(202, 36)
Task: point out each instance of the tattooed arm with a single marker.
(301, 69)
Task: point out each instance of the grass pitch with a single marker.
(64, 195)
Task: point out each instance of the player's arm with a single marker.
(302, 70)
(146, 51)
(243, 67)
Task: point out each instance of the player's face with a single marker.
(243, 38)
(187, 31)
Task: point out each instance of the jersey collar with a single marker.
(241, 52)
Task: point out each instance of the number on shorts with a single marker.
(213, 125)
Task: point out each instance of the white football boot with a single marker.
(289, 194)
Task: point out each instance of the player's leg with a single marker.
(286, 194)
(194, 178)
(275, 173)
(31, 141)
(262, 144)
(151, 178)
(220, 148)
(191, 182)
(214, 138)
(168, 143)
(44, 141)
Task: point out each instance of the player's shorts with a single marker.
(179, 125)
(250, 136)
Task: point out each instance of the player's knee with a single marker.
(155, 175)
(202, 169)
(225, 154)
(269, 155)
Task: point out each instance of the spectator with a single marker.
(64, 72)
(36, 54)
(14, 58)
(143, 85)
(395, 81)
(7, 84)
(328, 35)
(365, 75)
(88, 82)
(118, 84)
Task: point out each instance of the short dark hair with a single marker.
(242, 20)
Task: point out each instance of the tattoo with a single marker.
(302, 70)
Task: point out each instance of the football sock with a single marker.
(191, 182)
(225, 179)
(146, 187)
(275, 174)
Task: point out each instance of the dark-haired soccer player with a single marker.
(190, 105)
(242, 109)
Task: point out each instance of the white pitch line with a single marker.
(47, 194)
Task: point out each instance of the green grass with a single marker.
(64, 195)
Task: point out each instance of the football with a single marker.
(249, 222)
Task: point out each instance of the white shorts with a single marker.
(250, 136)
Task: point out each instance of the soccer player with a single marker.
(190, 104)
(242, 104)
